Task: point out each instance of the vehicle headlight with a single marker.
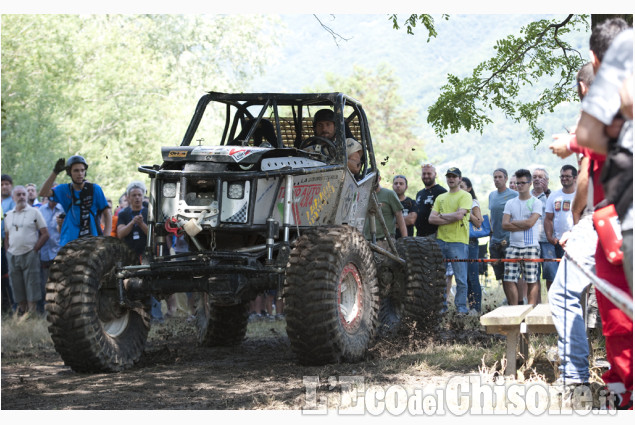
(169, 190)
(235, 191)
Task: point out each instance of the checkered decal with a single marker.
(240, 216)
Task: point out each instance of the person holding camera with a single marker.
(84, 202)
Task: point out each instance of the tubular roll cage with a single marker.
(246, 261)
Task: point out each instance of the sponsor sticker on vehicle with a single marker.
(237, 153)
(177, 154)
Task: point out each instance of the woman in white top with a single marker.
(473, 284)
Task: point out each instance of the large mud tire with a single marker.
(90, 330)
(331, 296)
(220, 325)
(416, 292)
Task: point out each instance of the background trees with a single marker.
(528, 76)
(398, 149)
(115, 87)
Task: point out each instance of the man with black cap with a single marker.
(451, 213)
(83, 202)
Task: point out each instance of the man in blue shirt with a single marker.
(7, 200)
(82, 201)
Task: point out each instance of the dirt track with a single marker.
(175, 373)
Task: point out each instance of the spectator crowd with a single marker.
(527, 222)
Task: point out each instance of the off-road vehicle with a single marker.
(263, 204)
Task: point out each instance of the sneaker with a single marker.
(601, 363)
(560, 382)
(473, 313)
(616, 401)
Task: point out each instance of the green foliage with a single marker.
(398, 149)
(412, 21)
(541, 56)
(115, 88)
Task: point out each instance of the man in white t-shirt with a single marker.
(558, 216)
(24, 234)
(519, 218)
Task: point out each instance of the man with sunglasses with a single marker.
(558, 216)
(520, 218)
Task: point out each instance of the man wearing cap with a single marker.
(451, 213)
(354, 152)
(425, 199)
(83, 202)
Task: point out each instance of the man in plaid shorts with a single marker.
(520, 218)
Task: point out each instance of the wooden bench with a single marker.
(506, 320)
(539, 321)
(515, 321)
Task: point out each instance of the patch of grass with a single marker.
(21, 336)
(453, 357)
(267, 328)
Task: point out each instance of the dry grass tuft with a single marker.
(24, 335)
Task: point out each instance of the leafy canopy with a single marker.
(115, 88)
(539, 64)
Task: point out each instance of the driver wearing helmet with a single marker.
(323, 140)
(324, 124)
(83, 202)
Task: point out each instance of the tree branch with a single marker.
(328, 29)
(522, 54)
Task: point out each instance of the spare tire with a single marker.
(416, 292)
(91, 331)
(220, 325)
(331, 296)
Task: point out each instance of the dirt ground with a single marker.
(175, 373)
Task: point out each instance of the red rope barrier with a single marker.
(502, 260)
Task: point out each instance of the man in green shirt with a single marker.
(391, 209)
(451, 213)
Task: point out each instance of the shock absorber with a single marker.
(272, 232)
(288, 199)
